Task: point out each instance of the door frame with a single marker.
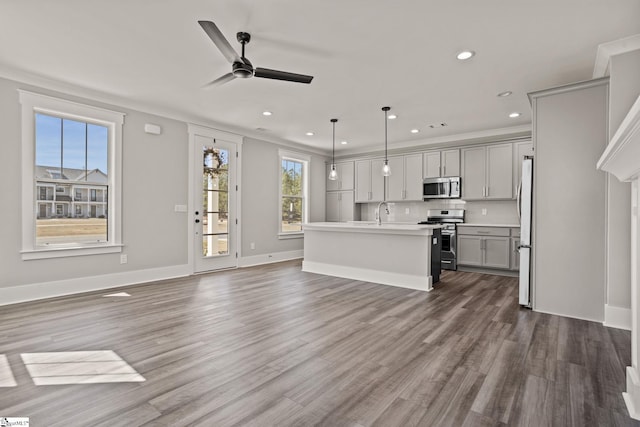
(207, 132)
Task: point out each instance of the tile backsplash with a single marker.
(497, 211)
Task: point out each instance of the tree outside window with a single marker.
(293, 194)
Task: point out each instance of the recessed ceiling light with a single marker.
(309, 133)
(415, 130)
(392, 117)
(465, 54)
(514, 115)
(344, 143)
(266, 113)
(505, 93)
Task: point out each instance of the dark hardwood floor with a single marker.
(272, 345)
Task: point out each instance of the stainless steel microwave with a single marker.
(441, 188)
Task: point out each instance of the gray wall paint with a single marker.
(623, 92)
(155, 179)
(570, 134)
(260, 181)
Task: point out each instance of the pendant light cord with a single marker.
(333, 151)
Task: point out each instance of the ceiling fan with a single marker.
(241, 66)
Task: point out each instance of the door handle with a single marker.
(518, 201)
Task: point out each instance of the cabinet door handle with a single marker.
(445, 170)
(440, 171)
(483, 232)
(487, 191)
(483, 191)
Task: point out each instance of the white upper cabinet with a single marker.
(413, 177)
(441, 163)
(369, 182)
(405, 182)
(474, 167)
(487, 172)
(520, 150)
(499, 171)
(431, 166)
(345, 179)
(450, 160)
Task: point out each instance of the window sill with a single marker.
(47, 253)
(285, 236)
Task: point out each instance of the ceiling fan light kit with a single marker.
(241, 67)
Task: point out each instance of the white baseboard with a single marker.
(421, 283)
(249, 261)
(36, 291)
(617, 317)
(566, 315)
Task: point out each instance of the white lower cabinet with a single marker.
(341, 206)
(489, 247)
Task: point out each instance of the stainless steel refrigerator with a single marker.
(525, 205)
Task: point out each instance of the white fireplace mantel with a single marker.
(622, 155)
(622, 159)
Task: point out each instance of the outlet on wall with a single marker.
(407, 211)
(123, 259)
(253, 245)
(484, 211)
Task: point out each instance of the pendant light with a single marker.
(333, 174)
(386, 169)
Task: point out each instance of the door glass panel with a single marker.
(215, 187)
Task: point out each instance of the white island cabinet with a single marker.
(390, 254)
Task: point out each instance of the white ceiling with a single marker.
(364, 54)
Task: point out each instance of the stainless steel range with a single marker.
(448, 218)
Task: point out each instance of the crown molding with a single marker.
(607, 50)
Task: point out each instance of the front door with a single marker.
(215, 204)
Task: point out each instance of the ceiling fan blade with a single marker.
(266, 73)
(220, 81)
(220, 41)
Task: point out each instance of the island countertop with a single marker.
(372, 227)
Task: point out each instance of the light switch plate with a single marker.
(180, 208)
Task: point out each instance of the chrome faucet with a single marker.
(378, 216)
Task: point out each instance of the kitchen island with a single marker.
(390, 254)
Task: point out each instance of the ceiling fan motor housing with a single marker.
(242, 70)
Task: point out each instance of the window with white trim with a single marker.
(75, 150)
(294, 186)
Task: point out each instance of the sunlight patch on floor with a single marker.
(79, 367)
